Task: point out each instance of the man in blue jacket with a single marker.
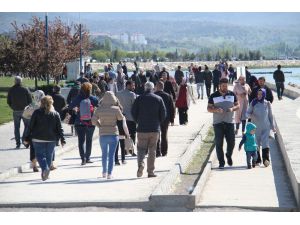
(149, 112)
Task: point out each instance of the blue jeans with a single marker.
(17, 115)
(85, 136)
(108, 145)
(44, 153)
(253, 155)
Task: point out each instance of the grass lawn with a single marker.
(5, 111)
(9, 81)
(5, 83)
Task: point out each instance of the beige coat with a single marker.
(241, 92)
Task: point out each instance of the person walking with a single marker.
(140, 81)
(105, 118)
(127, 98)
(162, 144)
(208, 80)
(260, 112)
(149, 112)
(27, 114)
(279, 78)
(44, 140)
(183, 102)
(168, 87)
(241, 90)
(18, 98)
(261, 85)
(84, 105)
(250, 146)
(120, 80)
(223, 104)
(199, 80)
(231, 74)
(216, 78)
(125, 70)
(59, 102)
(179, 75)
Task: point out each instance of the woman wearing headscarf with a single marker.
(105, 118)
(27, 114)
(260, 112)
(241, 90)
(44, 130)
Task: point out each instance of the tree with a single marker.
(36, 58)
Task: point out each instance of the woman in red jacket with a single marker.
(183, 102)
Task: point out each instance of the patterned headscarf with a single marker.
(256, 100)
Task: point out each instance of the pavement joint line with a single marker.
(20, 169)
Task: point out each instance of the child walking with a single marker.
(250, 146)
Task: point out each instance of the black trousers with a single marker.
(132, 129)
(183, 115)
(162, 144)
(265, 155)
(224, 130)
(122, 145)
(215, 87)
(208, 89)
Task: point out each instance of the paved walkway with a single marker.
(72, 182)
(11, 157)
(255, 188)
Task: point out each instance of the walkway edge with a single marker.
(161, 197)
(20, 169)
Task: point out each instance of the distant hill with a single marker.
(186, 30)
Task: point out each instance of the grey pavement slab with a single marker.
(11, 157)
(255, 188)
(72, 183)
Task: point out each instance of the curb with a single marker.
(20, 169)
(161, 199)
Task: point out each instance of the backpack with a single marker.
(86, 109)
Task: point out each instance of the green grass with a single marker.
(6, 82)
(5, 112)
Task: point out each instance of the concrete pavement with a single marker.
(75, 185)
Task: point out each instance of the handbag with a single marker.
(129, 145)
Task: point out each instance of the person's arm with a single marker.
(9, 98)
(135, 110)
(172, 110)
(271, 118)
(125, 128)
(172, 90)
(242, 142)
(95, 119)
(162, 111)
(60, 130)
(270, 94)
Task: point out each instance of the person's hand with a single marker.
(127, 136)
(26, 142)
(63, 143)
(219, 110)
(229, 110)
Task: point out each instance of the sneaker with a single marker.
(253, 165)
(35, 169)
(88, 161)
(26, 145)
(152, 175)
(221, 166)
(83, 162)
(133, 154)
(124, 162)
(109, 176)
(117, 163)
(47, 172)
(198, 96)
(266, 163)
(140, 171)
(18, 146)
(104, 175)
(249, 167)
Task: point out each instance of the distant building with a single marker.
(124, 38)
(139, 39)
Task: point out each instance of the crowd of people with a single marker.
(138, 109)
